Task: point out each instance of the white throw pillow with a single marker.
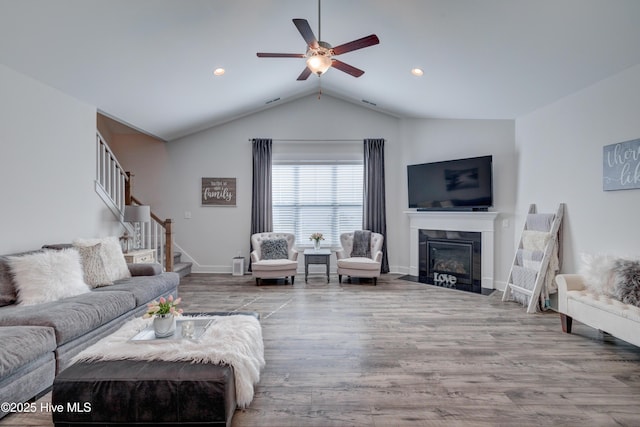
(597, 271)
(95, 275)
(47, 276)
(112, 256)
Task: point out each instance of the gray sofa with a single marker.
(39, 341)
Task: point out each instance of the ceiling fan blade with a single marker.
(355, 72)
(306, 32)
(304, 75)
(367, 41)
(279, 55)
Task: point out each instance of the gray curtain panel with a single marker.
(374, 206)
(261, 212)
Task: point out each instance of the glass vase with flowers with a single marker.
(164, 312)
(316, 238)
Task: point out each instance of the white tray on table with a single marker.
(147, 335)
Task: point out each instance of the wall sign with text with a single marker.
(621, 166)
(218, 192)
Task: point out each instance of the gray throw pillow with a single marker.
(7, 289)
(112, 256)
(274, 249)
(95, 273)
(626, 279)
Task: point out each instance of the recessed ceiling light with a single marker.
(218, 71)
(417, 72)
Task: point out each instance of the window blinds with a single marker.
(319, 197)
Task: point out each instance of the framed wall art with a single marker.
(621, 166)
(218, 192)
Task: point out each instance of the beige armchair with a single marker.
(273, 256)
(359, 266)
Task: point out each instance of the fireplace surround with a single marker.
(455, 221)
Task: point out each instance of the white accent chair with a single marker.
(273, 268)
(359, 266)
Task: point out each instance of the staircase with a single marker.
(115, 188)
(182, 268)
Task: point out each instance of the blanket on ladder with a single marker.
(529, 258)
(231, 340)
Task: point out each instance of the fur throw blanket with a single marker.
(361, 244)
(231, 340)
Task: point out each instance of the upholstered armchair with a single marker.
(362, 264)
(273, 256)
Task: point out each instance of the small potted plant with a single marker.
(164, 314)
(316, 237)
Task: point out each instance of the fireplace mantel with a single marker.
(482, 222)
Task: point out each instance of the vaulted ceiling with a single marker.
(149, 63)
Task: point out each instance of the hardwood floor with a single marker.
(408, 354)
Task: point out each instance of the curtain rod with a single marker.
(313, 140)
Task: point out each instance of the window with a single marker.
(317, 197)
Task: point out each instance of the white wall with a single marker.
(139, 152)
(47, 167)
(559, 148)
(214, 235)
(432, 140)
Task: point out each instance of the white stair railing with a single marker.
(110, 176)
(156, 234)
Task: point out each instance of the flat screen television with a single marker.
(461, 184)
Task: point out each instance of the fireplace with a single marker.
(450, 259)
(483, 223)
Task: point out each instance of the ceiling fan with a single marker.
(320, 54)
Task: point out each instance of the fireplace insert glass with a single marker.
(450, 259)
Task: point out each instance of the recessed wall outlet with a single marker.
(187, 215)
(505, 223)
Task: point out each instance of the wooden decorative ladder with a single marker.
(521, 281)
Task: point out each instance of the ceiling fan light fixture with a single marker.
(319, 54)
(319, 64)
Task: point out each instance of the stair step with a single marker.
(182, 268)
(177, 257)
